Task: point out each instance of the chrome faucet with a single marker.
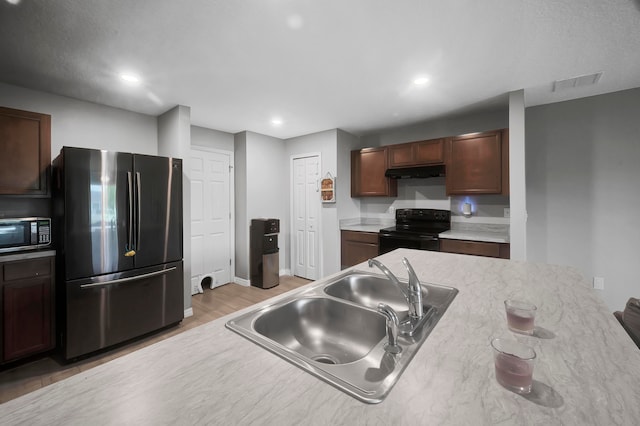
(391, 346)
(413, 293)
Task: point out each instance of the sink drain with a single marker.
(325, 359)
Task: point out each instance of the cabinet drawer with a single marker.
(27, 269)
(476, 248)
(361, 237)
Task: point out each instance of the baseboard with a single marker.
(188, 312)
(241, 281)
(284, 272)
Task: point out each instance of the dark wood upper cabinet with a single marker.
(416, 153)
(368, 166)
(478, 163)
(25, 147)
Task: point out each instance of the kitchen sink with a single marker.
(315, 328)
(368, 290)
(333, 331)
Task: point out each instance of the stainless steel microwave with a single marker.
(24, 233)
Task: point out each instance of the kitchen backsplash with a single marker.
(431, 194)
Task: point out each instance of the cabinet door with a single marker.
(25, 144)
(429, 152)
(416, 153)
(27, 317)
(367, 174)
(476, 248)
(357, 247)
(475, 164)
(401, 155)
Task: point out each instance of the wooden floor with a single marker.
(210, 305)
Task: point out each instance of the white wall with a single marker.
(261, 164)
(348, 207)
(450, 126)
(201, 136)
(582, 160)
(242, 223)
(326, 144)
(85, 124)
(517, 176)
(174, 140)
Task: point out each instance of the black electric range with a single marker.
(415, 229)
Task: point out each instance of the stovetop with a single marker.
(429, 222)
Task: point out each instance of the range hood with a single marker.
(416, 172)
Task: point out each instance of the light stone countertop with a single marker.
(588, 373)
(366, 224)
(25, 255)
(475, 235)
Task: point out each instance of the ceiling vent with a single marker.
(581, 80)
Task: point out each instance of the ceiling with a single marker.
(318, 65)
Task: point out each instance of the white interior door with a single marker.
(306, 208)
(211, 223)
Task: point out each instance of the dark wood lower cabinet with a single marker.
(356, 247)
(476, 248)
(27, 307)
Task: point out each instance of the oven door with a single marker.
(390, 241)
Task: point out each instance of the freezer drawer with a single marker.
(99, 313)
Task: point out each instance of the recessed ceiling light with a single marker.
(130, 78)
(276, 121)
(14, 2)
(421, 81)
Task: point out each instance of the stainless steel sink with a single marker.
(333, 331)
(316, 328)
(369, 289)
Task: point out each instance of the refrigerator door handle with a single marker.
(139, 196)
(130, 225)
(129, 279)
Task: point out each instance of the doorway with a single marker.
(212, 243)
(305, 210)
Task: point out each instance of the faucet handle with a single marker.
(392, 324)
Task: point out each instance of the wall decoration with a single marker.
(328, 189)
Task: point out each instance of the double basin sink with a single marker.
(333, 331)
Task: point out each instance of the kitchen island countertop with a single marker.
(587, 372)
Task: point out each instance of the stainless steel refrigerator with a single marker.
(118, 235)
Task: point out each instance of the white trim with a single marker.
(284, 271)
(241, 281)
(292, 223)
(188, 312)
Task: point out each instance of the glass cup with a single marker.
(514, 365)
(520, 316)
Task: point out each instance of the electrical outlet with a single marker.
(507, 212)
(598, 283)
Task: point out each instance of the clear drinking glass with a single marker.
(520, 316)
(514, 363)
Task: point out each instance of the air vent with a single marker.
(581, 80)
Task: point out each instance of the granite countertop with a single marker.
(366, 224)
(486, 232)
(587, 372)
(475, 235)
(24, 255)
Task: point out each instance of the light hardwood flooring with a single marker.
(210, 305)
